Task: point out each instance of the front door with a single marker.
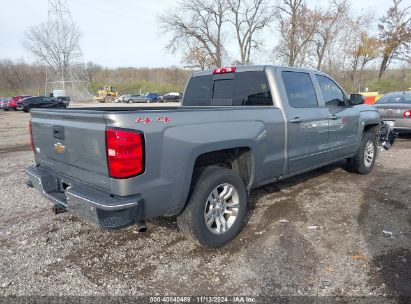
(307, 121)
(343, 120)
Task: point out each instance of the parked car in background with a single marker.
(65, 99)
(12, 104)
(149, 97)
(152, 97)
(171, 97)
(29, 103)
(60, 95)
(4, 103)
(130, 98)
(395, 110)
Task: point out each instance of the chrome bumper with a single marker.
(93, 204)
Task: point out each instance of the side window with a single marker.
(246, 89)
(332, 94)
(300, 89)
(252, 89)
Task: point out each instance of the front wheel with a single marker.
(216, 208)
(363, 162)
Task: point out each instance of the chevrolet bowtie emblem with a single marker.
(59, 148)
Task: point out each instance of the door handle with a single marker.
(296, 120)
(333, 117)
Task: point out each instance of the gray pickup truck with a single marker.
(237, 129)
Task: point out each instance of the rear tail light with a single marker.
(407, 114)
(225, 70)
(125, 153)
(31, 136)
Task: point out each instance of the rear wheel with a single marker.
(363, 162)
(130, 101)
(109, 99)
(216, 208)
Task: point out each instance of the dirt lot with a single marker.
(332, 241)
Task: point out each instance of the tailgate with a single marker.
(72, 144)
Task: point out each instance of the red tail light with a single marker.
(31, 136)
(125, 153)
(407, 114)
(225, 70)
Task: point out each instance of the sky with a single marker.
(120, 32)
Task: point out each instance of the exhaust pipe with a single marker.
(141, 226)
(58, 208)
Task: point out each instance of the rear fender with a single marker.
(191, 142)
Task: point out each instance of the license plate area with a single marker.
(390, 123)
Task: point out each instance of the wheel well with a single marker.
(237, 159)
(371, 127)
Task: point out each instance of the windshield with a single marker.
(395, 98)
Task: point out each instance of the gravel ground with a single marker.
(320, 233)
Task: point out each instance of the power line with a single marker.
(111, 12)
(127, 5)
(161, 1)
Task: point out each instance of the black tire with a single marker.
(130, 101)
(358, 163)
(192, 221)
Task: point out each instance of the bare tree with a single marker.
(197, 58)
(328, 28)
(249, 18)
(297, 25)
(53, 44)
(395, 35)
(197, 24)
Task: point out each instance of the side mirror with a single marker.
(357, 99)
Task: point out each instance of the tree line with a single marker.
(331, 37)
(19, 77)
(351, 46)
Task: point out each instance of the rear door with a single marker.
(343, 119)
(307, 120)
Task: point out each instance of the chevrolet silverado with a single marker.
(238, 128)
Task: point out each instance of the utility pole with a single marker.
(71, 77)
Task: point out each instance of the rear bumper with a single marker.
(400, 123)
(109, 211)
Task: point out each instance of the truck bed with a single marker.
(174, 137)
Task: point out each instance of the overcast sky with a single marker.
(118, 32)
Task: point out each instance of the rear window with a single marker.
(245, 88)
